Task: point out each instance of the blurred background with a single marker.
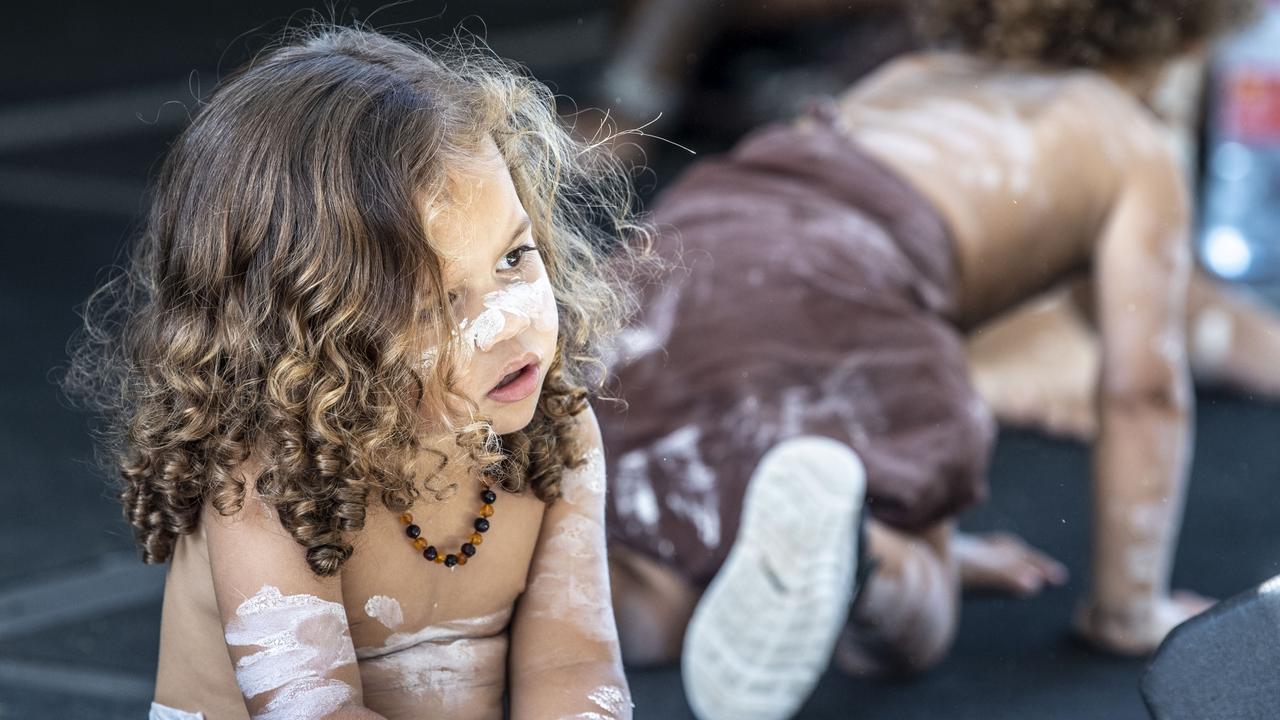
(91, 93)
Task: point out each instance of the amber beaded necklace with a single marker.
(468, 549)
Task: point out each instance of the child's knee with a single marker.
(823, 454)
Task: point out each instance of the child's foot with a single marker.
(1003, 562)
(763, 632)
(1138, 633)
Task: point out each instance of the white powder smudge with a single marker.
(634, 498)
(586, 482)
(528, 303)
(681, 446)
(429, 357)
(443, 667)
(1168, 345)
(461, 629)
(562, 591)
(307, 698)
(1143, 563)
(438, 672)
(1212, 335)
(1146, 519)
(666, 549)
(696, 498)
(303, 638)
(702, 513)
(610, 698)
(895, 143)
(641, 339)
(385, 610)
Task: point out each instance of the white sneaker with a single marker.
(763, 632)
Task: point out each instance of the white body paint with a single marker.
(564, 595)
(611, 699)
(385, 610)
(1213, 335)
(302, 639)
(585, 482)
(518, 306)
(696, 500)
(635, 500)
(441, 666)
(531, 303)
(462, 629)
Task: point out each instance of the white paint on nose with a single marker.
(508, 312)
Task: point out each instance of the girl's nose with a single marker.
(507, 324)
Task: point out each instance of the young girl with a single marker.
(809, 353)
(350, 386)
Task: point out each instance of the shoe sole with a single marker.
(764, 630)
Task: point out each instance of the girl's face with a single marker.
(498, 286)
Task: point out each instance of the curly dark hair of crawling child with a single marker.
(275, 304)
(1080, 33)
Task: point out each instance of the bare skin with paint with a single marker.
(1042, 175)
(398, 624)
(1037, 365)
(1120, 213)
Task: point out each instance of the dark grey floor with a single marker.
(79, 615)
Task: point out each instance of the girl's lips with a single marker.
(519, 387)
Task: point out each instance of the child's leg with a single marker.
(1037, 366)
(652, 605)
(1232, 337)
(905, 617)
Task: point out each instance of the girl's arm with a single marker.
(285, 628)
(565, 660)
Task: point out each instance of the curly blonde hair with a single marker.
(1085, 33)
(270, 306)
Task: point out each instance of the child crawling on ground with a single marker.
(805, 357)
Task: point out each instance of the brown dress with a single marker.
(810, 295)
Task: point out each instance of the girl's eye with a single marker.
(515, 258)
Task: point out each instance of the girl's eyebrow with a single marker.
(521, 227)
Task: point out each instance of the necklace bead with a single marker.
(467, 550)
